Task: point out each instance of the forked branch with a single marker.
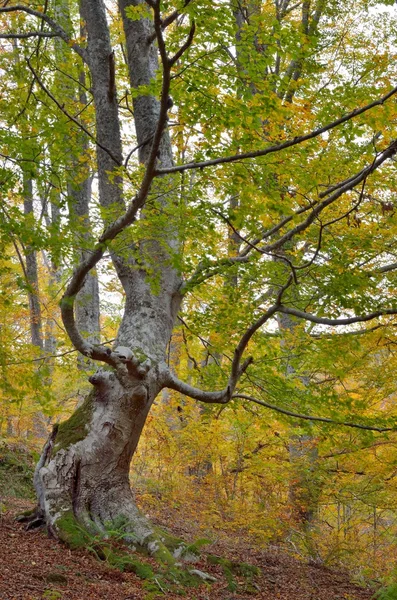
(56, 28)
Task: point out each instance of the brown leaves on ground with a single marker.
(34, 567)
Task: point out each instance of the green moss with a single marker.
(162, 553)
(77, 537)
(72, 533)
(182, 577)
(16, 471)
(231, 568)
(386, 593)
(169, 540)
(126, 563)
(195, 548)
(26, 513)
(232, 585)
(170, 581)
(246, 570)
(75, 428)
(153, 590)
(175, 543)
(167, 579)
(132, 565)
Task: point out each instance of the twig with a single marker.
(71, 117)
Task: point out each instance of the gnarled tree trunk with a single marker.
(82, 478)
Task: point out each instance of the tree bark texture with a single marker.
(32, 272)
(83, 474)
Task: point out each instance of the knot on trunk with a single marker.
(101, 378)
(136, 368)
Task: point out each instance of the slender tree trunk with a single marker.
(87, 301)
(39, 426)
(304, 487)
(79, 193)
(32, 271)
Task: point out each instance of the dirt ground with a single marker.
(34, 567)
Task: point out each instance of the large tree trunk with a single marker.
(82, 478)
(79, 192)
(84, 475)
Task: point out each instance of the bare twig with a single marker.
(69, 116)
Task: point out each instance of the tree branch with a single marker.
(200, 275)
(289, 413)
(185, 46)
(224, 396)
(278, 147)
(58, 30)
(168, 20)
(21, 36)
(335, 322)
(319, 207)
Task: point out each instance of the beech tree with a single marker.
(270, 123)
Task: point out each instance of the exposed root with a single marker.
(33, 519)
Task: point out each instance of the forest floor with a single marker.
(34, 567)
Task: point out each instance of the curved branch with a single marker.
(350, 184)
(172, 382)
(185, 46)
(335, 322)
(200, 275)
(278, 147)
(289, 413)
(57, 29)
(237, 369)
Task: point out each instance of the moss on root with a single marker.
(170, 541)
(71, 532)
(75, 428)
(179, 548)
(158, 549)
(240, 569)
(168, 578)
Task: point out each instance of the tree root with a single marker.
(32, 519)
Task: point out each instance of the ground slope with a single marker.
(34, 567)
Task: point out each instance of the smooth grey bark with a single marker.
(86, 476)
(39, 428)
(79, 193)
(32, 278)
(87, 301)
